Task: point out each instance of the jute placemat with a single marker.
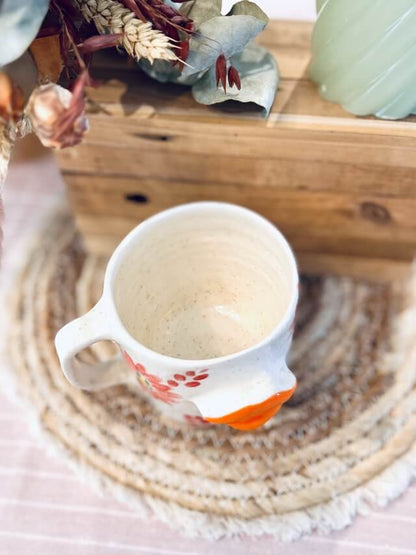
(346, 441)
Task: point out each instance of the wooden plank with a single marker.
(304, 177)
(380, 144)
(365, 214)
(331, 223)
(341, 188)
(153, 162)
(374, 269)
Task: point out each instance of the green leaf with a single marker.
(259, 76)
(248, 8)
(20, 21)
(201, 10)
(222, 34)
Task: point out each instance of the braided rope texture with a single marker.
(345, 441)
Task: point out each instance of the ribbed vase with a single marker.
(364, 55)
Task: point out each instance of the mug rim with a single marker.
(127, 340)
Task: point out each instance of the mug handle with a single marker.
(80, 334)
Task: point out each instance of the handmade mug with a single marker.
(201, 300)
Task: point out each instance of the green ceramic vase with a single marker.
(364, 55)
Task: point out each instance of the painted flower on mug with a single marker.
(191, 378)
(152, 384)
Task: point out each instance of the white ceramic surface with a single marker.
(201, 300)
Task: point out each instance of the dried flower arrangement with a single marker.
(187, 42)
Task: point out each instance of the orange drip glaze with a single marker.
(254, 416)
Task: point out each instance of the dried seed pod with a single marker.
(221, 71)
(234, 78)
(57, 115)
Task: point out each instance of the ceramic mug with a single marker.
(201, 300)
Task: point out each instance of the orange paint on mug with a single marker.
(254, 416)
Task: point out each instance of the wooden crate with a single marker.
(341, 188)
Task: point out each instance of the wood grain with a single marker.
(341, 188)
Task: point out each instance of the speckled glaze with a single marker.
(363, 54)
(201, 300)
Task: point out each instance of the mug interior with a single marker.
(203, 281)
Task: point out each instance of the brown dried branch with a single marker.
(99, 42)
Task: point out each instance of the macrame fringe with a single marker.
(323, 519)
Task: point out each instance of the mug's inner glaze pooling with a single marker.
(203, 284)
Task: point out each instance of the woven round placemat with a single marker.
(345, 441)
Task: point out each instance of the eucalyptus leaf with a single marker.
(248, 8)
(161, 70)
(164, 72)
(259, 76)
(23, 72)
(20, 21)
(201, 10)
(221, 34)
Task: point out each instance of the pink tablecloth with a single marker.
(44, 509)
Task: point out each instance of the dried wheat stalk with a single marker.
(139, 38)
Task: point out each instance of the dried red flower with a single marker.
(182, 54)
(131, 5)
(234, 78)
(221, 71)
(163, 18)
(67, 6)
(190, 27)
(57, 115)
(169, 12)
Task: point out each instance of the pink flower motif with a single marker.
(195, 420)
(152, 384)
(189, 379)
